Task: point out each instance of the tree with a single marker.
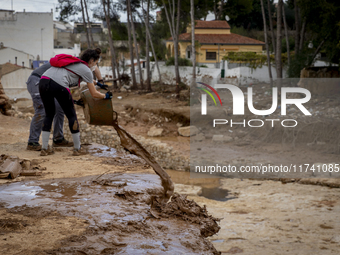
(135, 43)
(84, 23)
(297, 27)
(151, 43)
(269, 4)
(133, 74)
(322, 23)
(266, 41)
(89, 25)
(193, 49)
(112, 49)
(174, 30)
(320, 27)
(147, 48)
(239, 12)
(218, 7)
(286, 32)
(279, 41)
(67, 8)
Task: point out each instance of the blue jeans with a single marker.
(39, 113)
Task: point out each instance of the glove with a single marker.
(102, 86)
(108, 95)
(79, 102)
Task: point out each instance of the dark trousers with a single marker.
(50, 90)
(39, 113)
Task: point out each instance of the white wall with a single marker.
(248, 75)
(169, 77)
(243, 75)
(24, 33)
(320, 63)
(74, 52)
(8, 55)
(14, 83)
(238, 76)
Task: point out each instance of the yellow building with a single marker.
(214, 41)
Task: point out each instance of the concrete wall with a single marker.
(242, 75)
(24, 33)
(64, 39)
(248, 75)
(14, 83)
(8, 55)
(168, 74)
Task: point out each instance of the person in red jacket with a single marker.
(55, 84)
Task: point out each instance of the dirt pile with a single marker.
(5, 106)
(187, 210)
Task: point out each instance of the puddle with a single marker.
(216, 194)
(112, 157)
(115, 208)
(59, 191)
(210, 186)
(100, 150)
(18, 194)
(217, 241)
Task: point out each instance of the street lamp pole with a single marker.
(41, 43)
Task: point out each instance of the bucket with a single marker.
(98, 111)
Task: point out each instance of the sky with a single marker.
(38, 6)
(29, 5)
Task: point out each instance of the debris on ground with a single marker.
(11, 167)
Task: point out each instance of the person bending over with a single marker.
(55, 84)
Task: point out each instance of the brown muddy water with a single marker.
(116, 208)
(134, 147)
(122, 212)
(100, 112)
(210, 187)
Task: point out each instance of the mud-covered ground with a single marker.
(99, 203)
(77, 195)
(107, 214)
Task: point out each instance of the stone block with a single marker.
(153, 132)
(188, 131)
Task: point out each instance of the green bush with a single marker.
(181, 62)
(297, 63)
(254, 59)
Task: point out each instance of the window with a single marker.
(189, 54)
(210, 56)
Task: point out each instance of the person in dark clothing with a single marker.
(39, 114)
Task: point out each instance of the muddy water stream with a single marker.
(130, 144)
(210, 187)
(100, 112)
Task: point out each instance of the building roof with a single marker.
(62, 25)
(3, 48)
(213, 24)
(8, 68)
(231, 39)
